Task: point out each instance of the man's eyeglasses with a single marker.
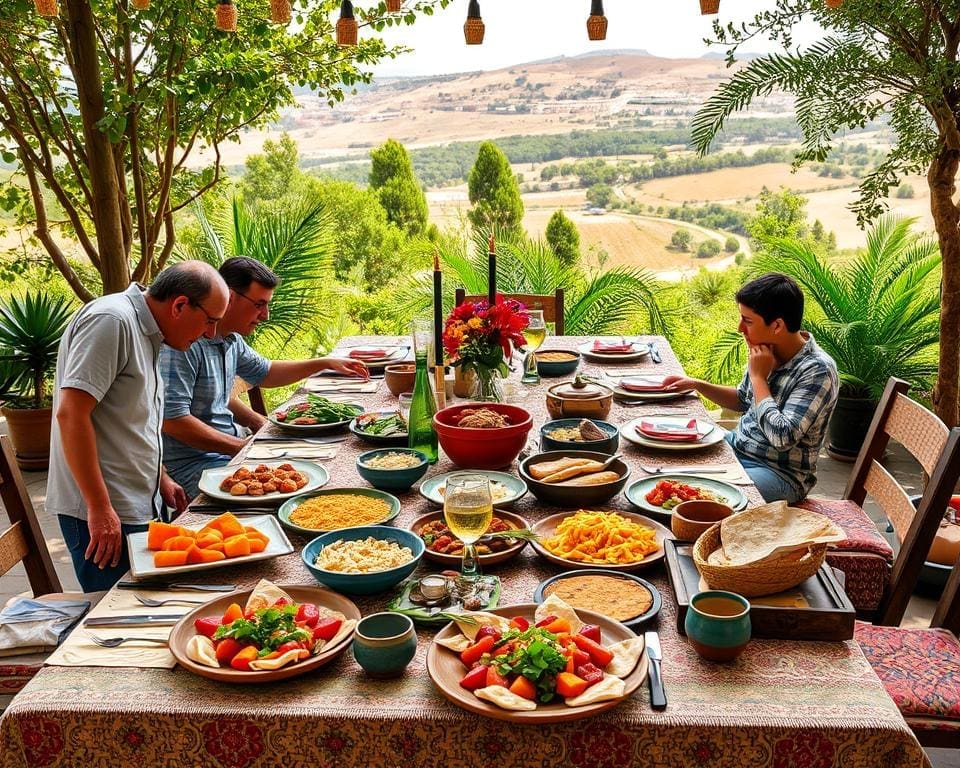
(260, 305)
(211, 320)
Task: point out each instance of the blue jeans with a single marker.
(187, 473)
(76, 535)
(772, 484)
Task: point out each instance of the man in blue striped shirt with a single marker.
(787, 393)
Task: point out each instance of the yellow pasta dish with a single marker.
(601, 537)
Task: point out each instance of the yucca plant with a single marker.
(30, 332)
(877, 316)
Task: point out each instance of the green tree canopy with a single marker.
(393, 179)
(600, 195)
(104, 106)
(563, 238)
(778, 214)
(681, 239)
(275, 173)
(493, 191)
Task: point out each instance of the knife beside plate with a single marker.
(176, 586)
(658, 697)
(134, 620)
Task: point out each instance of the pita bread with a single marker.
(771, 531)
(345, 629)
(266, 665)
(626, 654)
(201, 649)
(457, 643)
(481, 619)
(611, 687)
(265, 594)
(554, 606)
(497, 694)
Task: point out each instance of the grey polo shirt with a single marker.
(111, 350)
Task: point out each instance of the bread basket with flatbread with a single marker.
(764, 550)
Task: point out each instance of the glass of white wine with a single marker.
(467, 511)
(535, 334)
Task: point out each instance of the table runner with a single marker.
(814, 705)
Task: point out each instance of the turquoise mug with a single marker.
(718, 624)
(384, 643)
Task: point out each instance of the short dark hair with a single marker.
(193, 279)
(774, 295)
(239, 271)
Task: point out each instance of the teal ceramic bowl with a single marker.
(607, 445)
(384, 644)
(363, 583)
(551, 368)
(718, 624)
(290, 506)
(392, 479)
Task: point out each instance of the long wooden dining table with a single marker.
(783, 703)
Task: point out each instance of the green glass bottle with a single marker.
(423, 437)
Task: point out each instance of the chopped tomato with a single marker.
(488, 630)
(308, 614)
(227, 649)
(590, 672)
(495, 678)
(557, 626)
(569, 685)
(518, 622)
(524, 688)
(206, 626)
(598, 654)
(475, 651)
(592, 631)
(327, 628)
(475, 678)
(243, 658)
(545, 620)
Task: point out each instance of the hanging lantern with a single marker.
(597, 23)
(473, 27)
(708, 7)
(47, 7)
(280, 11)
(834, 3)
(141, 5)
(346, 25)
(393, 6)
(226, 16)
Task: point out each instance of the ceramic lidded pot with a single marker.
(718, 624)
(579, 399)
(384, 643)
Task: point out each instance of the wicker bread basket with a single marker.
(754, 579)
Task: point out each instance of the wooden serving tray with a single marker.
(818, 609)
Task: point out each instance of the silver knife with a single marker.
(658, 697)
(139, 620)
(176, 586)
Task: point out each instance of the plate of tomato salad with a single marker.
(222, 611)
(452, 674)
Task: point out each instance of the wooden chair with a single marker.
(920, 668)
(552, 306)
(23, 542)
(875, 588)
(254, 395)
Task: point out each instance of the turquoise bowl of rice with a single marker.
(392, 469)
(363, 560)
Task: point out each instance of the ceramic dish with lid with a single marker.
(579, 399)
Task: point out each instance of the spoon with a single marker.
(610, 461)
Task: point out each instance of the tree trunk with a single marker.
(105, 190)
(941, 178)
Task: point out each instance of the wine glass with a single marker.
(467, 511)
(535, 334)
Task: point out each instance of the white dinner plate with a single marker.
(630, 432)
(640, 349)
(210, 480)
(141, 558)
(630, 396)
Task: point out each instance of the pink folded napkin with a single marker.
(664, 431)
(611, 347)
(642, 383)
(367, 353)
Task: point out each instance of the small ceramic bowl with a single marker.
(691, 518)
(607, 445)
(384, 644)
(718, 624)
(556, 362)
(399, 378)
(392, 479)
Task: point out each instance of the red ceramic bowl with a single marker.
(475, 448)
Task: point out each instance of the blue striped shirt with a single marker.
(786, 430)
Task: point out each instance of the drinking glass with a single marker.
(535, 334)
(467, 511)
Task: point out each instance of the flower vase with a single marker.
(487, 385)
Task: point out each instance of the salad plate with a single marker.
(446, 670)
(210, 480)
(314, 407)
(720, 491)
(386, 427)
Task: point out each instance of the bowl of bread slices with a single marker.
(574, 478)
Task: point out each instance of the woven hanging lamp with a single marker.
(280, 11)
(141, 5)
(834, 3)
(226, 16)
(708, 7)
(346, 25)
(473, 27)
(597, 23)
(47, 7)
(393, 6)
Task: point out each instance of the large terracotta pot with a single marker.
(29, 430)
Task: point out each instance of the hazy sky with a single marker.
(528, 30)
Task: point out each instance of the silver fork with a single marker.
(680, 470)
(154, 603)
(113, 642)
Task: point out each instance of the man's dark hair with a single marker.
(188, 278)
(239, 271)
(774, 295)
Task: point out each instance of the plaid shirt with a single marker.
(786, 430)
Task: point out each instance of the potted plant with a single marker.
(30, 332)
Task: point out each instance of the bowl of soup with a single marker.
(556, 362)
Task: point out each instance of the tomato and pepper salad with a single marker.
(540, 663)
(669, 493)
(267, 633)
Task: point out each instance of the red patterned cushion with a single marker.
(16, 671)
(865, 577)
(920, 668)
(862, 533)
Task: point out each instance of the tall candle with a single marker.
(437, 312)
(491, 271)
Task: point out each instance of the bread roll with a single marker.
(578, 469)
(542, 469)
(596, 478)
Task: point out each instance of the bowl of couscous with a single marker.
(392, 469)
(335, 508)
(363, 560)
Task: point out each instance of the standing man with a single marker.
(202, 426)
(106, 478)
(787, 394)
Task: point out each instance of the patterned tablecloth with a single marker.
(782, 704)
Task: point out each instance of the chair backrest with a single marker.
(937, 449)
(254, 395)
(23, 540)
(552, 306)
